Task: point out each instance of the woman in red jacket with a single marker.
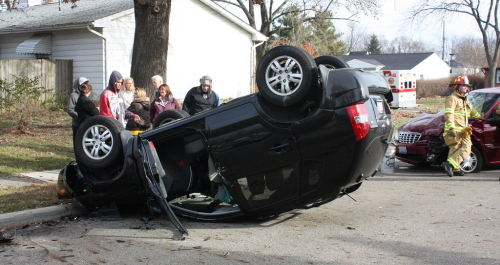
(164, 101)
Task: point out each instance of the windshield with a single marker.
(483, 102)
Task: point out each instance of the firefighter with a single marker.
(456, 113)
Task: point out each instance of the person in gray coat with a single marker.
(73, 98)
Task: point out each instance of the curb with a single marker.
(8, 220)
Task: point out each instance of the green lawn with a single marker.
(48, 147)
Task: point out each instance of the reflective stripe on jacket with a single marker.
(457, 110)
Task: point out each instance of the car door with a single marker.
(261, 158)
(491, 133)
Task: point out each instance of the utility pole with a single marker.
(442, 52)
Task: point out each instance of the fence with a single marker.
(56, 75)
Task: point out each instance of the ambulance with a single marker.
(404, 87)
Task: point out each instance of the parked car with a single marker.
(312, 134)
(420, 140)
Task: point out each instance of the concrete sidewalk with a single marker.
(8, 220)
(46, 176)
(25, 179)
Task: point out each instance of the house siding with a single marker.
(433, 67)
(79, 45)
(86, 51)
(207, 44)
(9, 44)
(120, 44)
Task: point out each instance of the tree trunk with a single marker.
(150, 51)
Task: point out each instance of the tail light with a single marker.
(359, 120)
(152, 145)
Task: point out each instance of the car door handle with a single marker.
(282, 148)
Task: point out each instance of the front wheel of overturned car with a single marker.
(474, 162)
(168, 116)
(286, 75)
(97, 142)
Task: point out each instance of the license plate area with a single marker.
(402, 150)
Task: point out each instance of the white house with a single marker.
(98, 36)
(426, 66)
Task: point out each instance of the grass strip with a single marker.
(32, 196)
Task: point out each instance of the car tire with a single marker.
(98, 144)
(168, 116)
(331, 62)
(286, 75)
(476, 163)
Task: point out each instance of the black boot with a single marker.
(459, 173)
(448, 168)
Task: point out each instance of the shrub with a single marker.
(21, 99)
(476, 81)
(440, 87)
(432, 88)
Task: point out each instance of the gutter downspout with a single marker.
(105, 55)
(253, 67)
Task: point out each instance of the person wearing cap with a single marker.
(73, 98)
(112, 104)
(457, 111)
(201, 98)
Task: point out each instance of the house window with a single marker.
(498, 76)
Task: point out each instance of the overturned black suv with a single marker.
(314, 132)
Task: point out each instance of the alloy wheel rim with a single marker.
(97, 142)
(470, 163)
(284, 75)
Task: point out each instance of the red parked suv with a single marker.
(420, 140)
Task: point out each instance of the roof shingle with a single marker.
(48, 15)
(396, 61)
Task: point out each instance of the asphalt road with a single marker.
(414, 216)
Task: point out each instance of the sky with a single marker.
(391, 23)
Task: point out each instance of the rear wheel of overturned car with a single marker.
(331, 62)
(98, 144)
(169, 116)
(474, 162)
(286, 75)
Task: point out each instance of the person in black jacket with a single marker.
(201, 98)
(84, 106)
(140, 106)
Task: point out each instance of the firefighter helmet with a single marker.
(460, 80)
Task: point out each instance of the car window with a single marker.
(483, 102)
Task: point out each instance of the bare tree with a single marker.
(272, 10)
(403, 44)
(355, 37)
(485, 13)
(468, 51)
